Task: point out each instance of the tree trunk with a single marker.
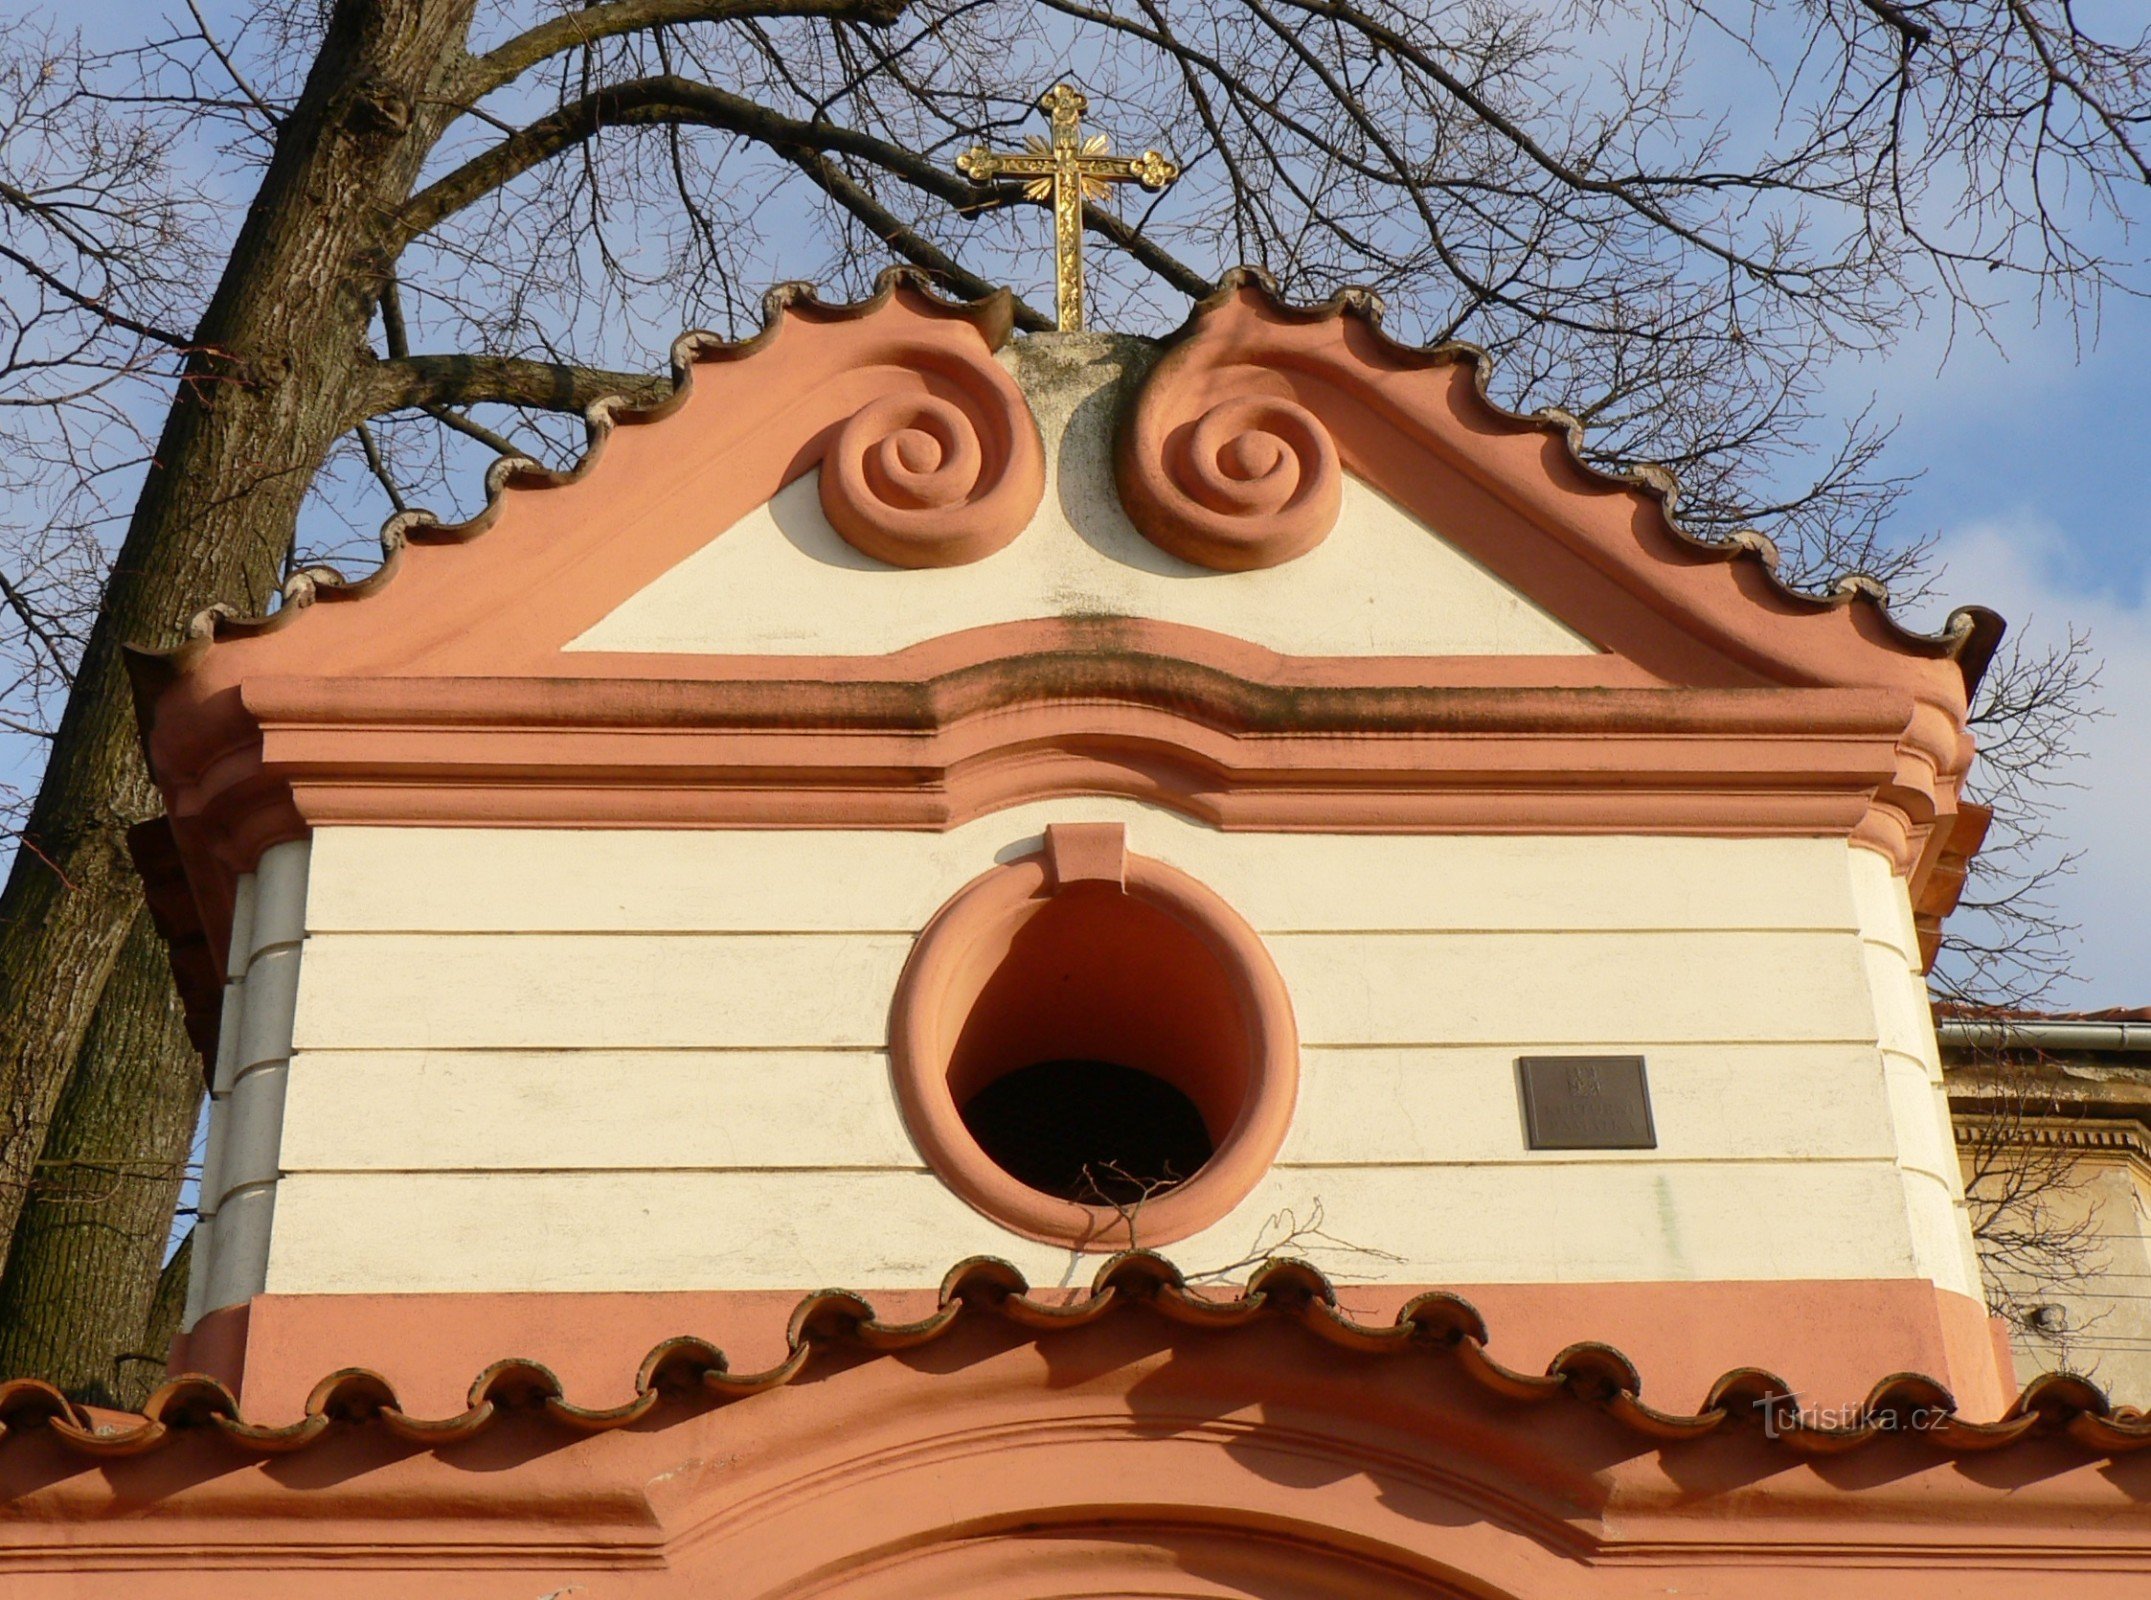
(167, 1304)
(282, 355)
(82, 1273)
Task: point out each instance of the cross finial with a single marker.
(1071, 169)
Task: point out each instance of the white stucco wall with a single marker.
(549, 1059)
(1912, 1067)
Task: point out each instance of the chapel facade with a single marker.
(1073, 965)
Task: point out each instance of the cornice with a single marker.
(2130, 1138)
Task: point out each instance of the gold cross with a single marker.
(1071, 169)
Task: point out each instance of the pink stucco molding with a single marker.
(1127, 1454)
(935, 475)
(1830, 1339)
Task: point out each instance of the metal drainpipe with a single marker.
(2031, 1034)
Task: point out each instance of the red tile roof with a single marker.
(1957, 1010)
(1435, 1326)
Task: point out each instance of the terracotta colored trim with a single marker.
(1000, 1458)
(933, 454)
(919, 481)
(1250, 481)
(968, 943)
(1829, 1338)
(1936, 893)
(927, 738)
(223, 1343)
(1230, 458)
(1435, 1326)
(1252, 1553)
(1086, 852)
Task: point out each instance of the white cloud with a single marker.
(2014, 563)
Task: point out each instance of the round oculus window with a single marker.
(1092, 1048)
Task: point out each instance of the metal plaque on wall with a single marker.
(1586, 1103)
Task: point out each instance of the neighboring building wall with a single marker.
(2104, 1324)
(2057, 1153)
(610, 1060)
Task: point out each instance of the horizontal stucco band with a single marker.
(1029, 711)
(1831, 1340)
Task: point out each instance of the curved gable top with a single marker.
(457, 684)
(1232, 454)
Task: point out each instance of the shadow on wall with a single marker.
(1081, 384)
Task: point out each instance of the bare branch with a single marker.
(499, 444)
(428, 381)
(592, 23)
(379, 468)
(1913, 31)
(907, 241)
(98, 308)
(269, 113)
(36, 627)
(657, 101)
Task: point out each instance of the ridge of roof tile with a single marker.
(687, 1370)
(1964, 1011)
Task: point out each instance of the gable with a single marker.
(878, 566)
(1298, 483)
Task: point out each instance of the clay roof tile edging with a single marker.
(1969, 636)
(1436, 1325)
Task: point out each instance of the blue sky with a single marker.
(2038, 481)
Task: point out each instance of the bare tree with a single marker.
(467, 224)
(2009, 946)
